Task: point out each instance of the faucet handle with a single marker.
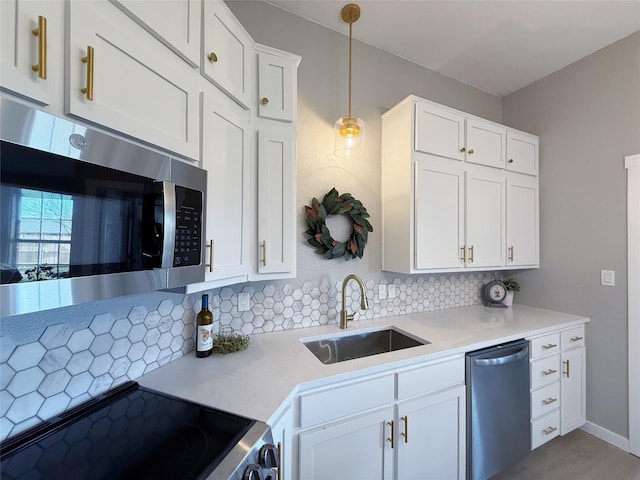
(350, 316)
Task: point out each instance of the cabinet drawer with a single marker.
(545, 428)
(545, 400)
(545, 345)
(328, 404)
(545, 371)
(572, 338)
(429, 378)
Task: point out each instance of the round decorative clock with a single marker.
(494, 293)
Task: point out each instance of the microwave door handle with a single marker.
(169, 237)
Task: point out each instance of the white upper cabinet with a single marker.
(177, 23)
(444, 216)
(522, 152)
(485, 143)
(522, 221)
(226, 51)
(276, 82)
(26, 47)
(439, 131)
(121, 77)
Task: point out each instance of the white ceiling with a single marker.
(496, 46)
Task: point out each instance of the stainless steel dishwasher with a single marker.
(498, 408)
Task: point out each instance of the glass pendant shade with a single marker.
(348, 137)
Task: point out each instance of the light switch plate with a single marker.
(608, 278)
(244, 301)
(392, 291)
(382, 291)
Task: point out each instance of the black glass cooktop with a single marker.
(129, 433)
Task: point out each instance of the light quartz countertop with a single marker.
(256, 382)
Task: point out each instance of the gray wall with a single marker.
(380, 80)
(588, 117)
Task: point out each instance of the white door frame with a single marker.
(632, 164)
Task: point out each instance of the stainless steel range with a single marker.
(132, 432)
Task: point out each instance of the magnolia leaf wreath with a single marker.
(321, 239)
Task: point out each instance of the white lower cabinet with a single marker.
(557, 384)
(282, 430)
(406, 426)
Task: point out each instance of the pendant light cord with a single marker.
(350, 37)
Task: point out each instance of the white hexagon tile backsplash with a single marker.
(73, 361)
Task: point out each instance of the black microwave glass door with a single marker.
(67, 218)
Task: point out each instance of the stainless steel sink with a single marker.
(339, 348)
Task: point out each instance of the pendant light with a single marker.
(349, 130)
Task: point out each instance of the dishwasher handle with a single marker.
(514, 357)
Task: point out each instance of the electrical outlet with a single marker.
(382, 291)
(608, 278)
(392, 291)
(244, 301)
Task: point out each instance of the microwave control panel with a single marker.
(188, 245)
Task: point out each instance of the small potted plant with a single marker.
(512, 287)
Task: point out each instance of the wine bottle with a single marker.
(204, 329)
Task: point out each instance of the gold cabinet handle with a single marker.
(566, 362)
(511, 253)
(41, 33)
(392, 439)
(264, 253)
(471, 254)
(264, 101)
(210, 264)
(548, 346)
(405, 434)
(279, 469)
(576, 339)
(549, 400)
(212, 57)
(549, 430)
(464, 254)
(89, 60)
(471, 151)
(551, 371)
(510, 160)
(462, 150)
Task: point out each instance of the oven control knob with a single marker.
(268, 456)
(252, 472)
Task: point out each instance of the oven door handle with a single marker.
(169, 213)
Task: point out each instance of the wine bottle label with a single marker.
(204, 337)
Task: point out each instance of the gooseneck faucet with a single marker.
(344, 316)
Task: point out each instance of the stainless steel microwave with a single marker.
(86, 216)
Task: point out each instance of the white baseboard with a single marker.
(607, 436)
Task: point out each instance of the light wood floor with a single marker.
(576, 456)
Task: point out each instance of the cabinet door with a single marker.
(176, 23)
(522, 221)
(20, 49)
(572, 390)
(276, 80)
(439, 131)
(431, 436)
(282, 437)
(485, 218)
(522, 153)
(140, 87)
(226, 51)
(276, 197)
(224, 156)
(485, 143)
(439, 216)
(353, 449)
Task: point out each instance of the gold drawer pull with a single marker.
(41, 33)
(88, 90)
(462, 150)
(548, 346)
(264, 253)
(511, 253)
(566, 362)
(471, 252)
(551, 371)
(212, 57)
(549, 400)
(464, 254)
(471, 152)
(392, 439)
(549, 430)
(576, 339)
(264, 101)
